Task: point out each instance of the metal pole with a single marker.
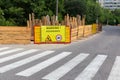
(107, 22)
(97, 20)
(56, 10)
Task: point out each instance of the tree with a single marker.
(74, 7)
(116, 16)
(94, 12)
(15, 12)
(51, 8)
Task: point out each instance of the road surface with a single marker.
(93, 58)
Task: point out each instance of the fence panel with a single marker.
(14, 35)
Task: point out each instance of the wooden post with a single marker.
(53, 20)
(65, 20)
(78, 20)
(33, 19)
(37, 22)
(78, 24)
(30, 20)
(28, 24)
(44, 20)
(68, 20)
(40, 22)
(32, 27)
(83, 23)
(48, 20)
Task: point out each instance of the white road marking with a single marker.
(115, 72)
(24, 61)
(32, 70)
(89, 72)
(61, 71)
(10, 51)
(17, 55)
(4, 48)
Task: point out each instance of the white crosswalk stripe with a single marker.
(4, 48)
(92, 68)
(24, 61)
(58, 73)
(10, 51)
(88, 72)
(40, 66)
(17, 55)
(115, 72)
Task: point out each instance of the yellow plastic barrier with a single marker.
(52, 34)
(94, 28)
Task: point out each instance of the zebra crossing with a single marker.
(58, 73)
(115, 73)
(88, 73)
(92, 68)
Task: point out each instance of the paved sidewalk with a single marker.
(36, 46)
(47, 46)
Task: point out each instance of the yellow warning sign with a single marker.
(48, 39)
(56, 33)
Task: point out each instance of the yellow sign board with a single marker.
(55, 33)
(52, 34)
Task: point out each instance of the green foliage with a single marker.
(15, 12)
(94, 12)
(116, 16)
(74, 7)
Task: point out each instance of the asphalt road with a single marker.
(93, 58)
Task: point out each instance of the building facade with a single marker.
(110, 4)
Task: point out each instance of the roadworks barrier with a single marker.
(64, 34)
(14, 35)
(52, 34)
(83, 31)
